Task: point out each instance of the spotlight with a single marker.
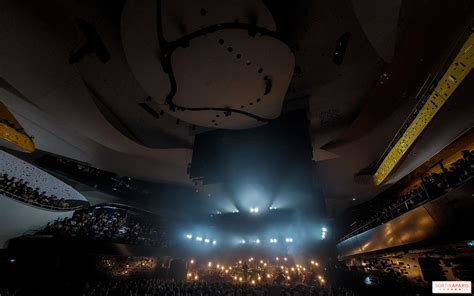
(189, 236)
(192, 261)
(199, 239)
(242, 241)
(257, 241)
(254, 210)
(323, 233)
(206, 240)
(289, 240)
(286, 259)
(214, 242)
(273, 240)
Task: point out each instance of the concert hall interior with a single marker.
(238, 147)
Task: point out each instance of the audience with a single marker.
(109, 225)
(435, 185)
(151, 287)
(20, 189)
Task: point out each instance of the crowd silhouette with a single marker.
(107, 225)
(21, 190)
(152, 287)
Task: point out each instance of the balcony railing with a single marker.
(397, 210)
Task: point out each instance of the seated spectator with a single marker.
(108, 226)
(20, 189)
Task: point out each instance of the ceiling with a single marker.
(95, 112)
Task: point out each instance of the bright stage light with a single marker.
(323, 233)
(289, 240)
(214, 242)
(286, 259)
(242, 241)
(207, 241)
(273, 240)
(189, 236)
(235, 211)
(199, 239)
(192, 261)
(257, 241)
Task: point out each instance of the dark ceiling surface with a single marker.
(355, 105)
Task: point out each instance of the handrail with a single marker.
(368, 224)
(25, 200)
(373, 222)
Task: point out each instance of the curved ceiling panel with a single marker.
(36, 63)
(232, 70)
(379, 20)
(142, 50)
(230, 76)
(182, 17)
